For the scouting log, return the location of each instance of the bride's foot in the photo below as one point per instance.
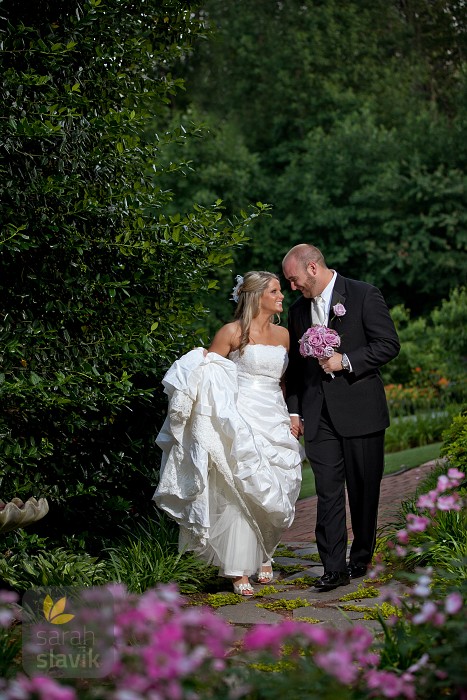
(242, 586)
(265, 574)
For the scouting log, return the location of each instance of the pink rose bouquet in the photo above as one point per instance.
(319, 342)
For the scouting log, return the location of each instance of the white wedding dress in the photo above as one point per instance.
(231, 468)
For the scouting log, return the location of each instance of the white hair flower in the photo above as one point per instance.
(236, 289)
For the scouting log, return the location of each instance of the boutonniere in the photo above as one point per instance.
(339, 310)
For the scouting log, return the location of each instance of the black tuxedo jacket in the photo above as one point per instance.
(356, 400)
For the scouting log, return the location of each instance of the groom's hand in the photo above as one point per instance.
(331, 364)
(296, 426)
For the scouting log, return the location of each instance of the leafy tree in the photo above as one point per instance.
(351, 119)
(100, 277)
(433, 349)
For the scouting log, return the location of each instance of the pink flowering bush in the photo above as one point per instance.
(431, 635)
(164, 649)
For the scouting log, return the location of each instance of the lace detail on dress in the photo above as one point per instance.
(261, 361)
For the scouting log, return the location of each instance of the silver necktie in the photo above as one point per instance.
(320, 312)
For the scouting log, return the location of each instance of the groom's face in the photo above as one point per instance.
(301, 278)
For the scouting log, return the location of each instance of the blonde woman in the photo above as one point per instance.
(231, 468)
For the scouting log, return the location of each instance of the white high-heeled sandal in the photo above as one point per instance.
(265, 577)
(244, 589)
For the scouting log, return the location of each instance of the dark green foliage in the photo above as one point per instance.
(433, 356)
(455, 442)
(350, 121)
(147, 555)
(99, 282)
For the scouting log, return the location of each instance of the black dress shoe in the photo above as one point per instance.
(331, 580)
(357, 570)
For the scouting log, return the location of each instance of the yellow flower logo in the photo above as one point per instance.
(53, 612)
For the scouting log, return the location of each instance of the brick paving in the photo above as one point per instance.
(394, 489)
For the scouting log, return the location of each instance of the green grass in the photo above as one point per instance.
(393, 462)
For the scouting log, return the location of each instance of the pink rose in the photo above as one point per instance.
(332, 338)
(318, 352)
(339, 310)
(317, 340)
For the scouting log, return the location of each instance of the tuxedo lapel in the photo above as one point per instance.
(338, 297)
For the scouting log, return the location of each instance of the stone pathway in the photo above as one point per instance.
(394, 489)
(298, 548)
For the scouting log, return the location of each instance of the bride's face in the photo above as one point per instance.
(271, 299)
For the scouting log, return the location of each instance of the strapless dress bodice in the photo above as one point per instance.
(261, 361)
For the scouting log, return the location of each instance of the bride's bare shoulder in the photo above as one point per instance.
(282, 336)
(226, 339)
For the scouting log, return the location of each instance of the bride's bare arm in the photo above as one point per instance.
(224, 340)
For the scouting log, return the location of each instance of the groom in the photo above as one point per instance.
(342, 417)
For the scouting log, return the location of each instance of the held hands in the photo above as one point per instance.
(296, 426)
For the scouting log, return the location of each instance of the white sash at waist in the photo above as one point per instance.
(248, 380)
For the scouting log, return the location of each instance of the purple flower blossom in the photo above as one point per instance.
(40, 687)
(427, 500)
(428, 613)
(339, 310)
(389, 685)
(453, 603)
(423, 587)
(417, 523)
(455, 475)
(423, 660)
(450, 502)
(319, 341)
(338, 663)
(403, 536)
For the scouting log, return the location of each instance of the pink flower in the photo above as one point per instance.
(423, 587)
(455, 475)
(338, 663)
(403, 536)
(443, 484)
(319, 352)
(318, 342)
(389, 685)
(339, 310)
(375, 571)
(448, 502)
(390, 595)
(264, 637)
(317, 635)
(427, 500)
(43, 688)
(417, 523)
(453, 603)
(331, 338)
(429, 613)
(423, 660)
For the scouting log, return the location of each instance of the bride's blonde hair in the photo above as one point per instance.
(250, 292)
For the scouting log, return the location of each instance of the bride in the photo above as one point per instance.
(231, 464)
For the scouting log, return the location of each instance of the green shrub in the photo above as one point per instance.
(148, 555)
(99, 280)
(417, 430)
(54, 567)
(432, 362)
(455, 442)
